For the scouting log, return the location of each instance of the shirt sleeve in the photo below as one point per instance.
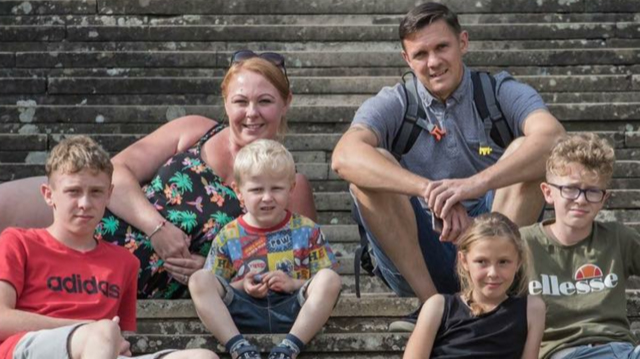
(631, 250)
(128, 306)
(219, 260)
(517, 101)
(383, 114)
(13, 257)
(320, 252)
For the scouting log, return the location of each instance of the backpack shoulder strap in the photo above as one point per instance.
(409, 131)
(484, 97)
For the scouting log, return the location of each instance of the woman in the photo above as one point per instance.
(186, 168)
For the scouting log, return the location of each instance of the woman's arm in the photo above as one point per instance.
(302, 199)
(536, 311)
(421, 341)
(137, 164)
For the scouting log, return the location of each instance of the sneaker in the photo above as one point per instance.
(282, 352)
(406, 324)
(246, 352)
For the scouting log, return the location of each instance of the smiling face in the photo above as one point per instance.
(574, 216)
(78, 201)
(492, 264)
(255, 108)
(266, 197)
(435, 55)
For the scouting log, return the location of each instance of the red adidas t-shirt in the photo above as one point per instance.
(54, 280)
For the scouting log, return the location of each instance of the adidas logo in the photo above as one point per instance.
(588, 278)
(74, 284)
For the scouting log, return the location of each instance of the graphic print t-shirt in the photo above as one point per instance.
(54, 280)
(583, 285)
(295, 246)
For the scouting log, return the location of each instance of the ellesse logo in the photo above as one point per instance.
(588, 279)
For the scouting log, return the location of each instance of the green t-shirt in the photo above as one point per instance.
(583, 285)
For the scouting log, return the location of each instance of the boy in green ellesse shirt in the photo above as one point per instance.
(581, 265)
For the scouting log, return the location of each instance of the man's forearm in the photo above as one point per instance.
(527, 163)
(365, 166)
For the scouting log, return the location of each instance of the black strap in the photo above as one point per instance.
(362, 258)
(484, 89)
(409, 132)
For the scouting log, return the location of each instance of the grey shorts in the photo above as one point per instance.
(54, 344)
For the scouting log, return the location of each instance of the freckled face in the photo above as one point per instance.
(254, 107)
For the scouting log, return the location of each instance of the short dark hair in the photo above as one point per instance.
(424, 15)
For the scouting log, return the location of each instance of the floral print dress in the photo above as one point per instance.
(191, 196)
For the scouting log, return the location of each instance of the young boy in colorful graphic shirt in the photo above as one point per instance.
(268, 255)
(581, 265)
(63, 294)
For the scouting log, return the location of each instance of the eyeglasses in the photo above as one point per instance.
(592, 195)
(272, 57)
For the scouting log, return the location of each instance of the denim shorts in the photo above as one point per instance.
(615, 350)
(54, 344)
(440, 257)
(275, 313)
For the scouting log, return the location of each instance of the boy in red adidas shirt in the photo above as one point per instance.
(64, 294)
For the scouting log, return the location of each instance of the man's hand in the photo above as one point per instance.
(182, 268)
(279, 281)
(455, 223)
(171, 242)
(256, 289)
(442, 195)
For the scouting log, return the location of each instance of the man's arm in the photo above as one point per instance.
(15, 321)
(357, 160)
(527, 163)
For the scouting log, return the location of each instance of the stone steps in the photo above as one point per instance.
(305, 19)
(313, 59)
(356, 326)
(69, 85)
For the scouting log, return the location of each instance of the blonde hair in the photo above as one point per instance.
(264, 156)
(587, 149)
(269, 71)
(486, 227)
(78, 153)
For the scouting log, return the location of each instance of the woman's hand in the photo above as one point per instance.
(171, 242)
(182, 268)
(255, 288)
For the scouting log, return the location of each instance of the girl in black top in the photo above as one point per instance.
(492, 317)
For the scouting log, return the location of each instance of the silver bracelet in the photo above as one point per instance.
(157, 229)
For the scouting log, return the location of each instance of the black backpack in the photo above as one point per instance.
(484, 98)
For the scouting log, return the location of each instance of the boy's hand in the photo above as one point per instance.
(279, 281)
(256, 289)
(124, 346)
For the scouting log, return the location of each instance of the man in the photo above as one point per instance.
(448, 176)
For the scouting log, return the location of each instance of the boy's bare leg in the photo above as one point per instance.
(191, 354)
(322, 294)
(207, 292)
(99, 340)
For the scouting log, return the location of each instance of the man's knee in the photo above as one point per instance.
(512, 148)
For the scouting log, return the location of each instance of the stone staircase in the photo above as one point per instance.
(118, 69)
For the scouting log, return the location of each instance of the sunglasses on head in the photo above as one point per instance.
(272, 57)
